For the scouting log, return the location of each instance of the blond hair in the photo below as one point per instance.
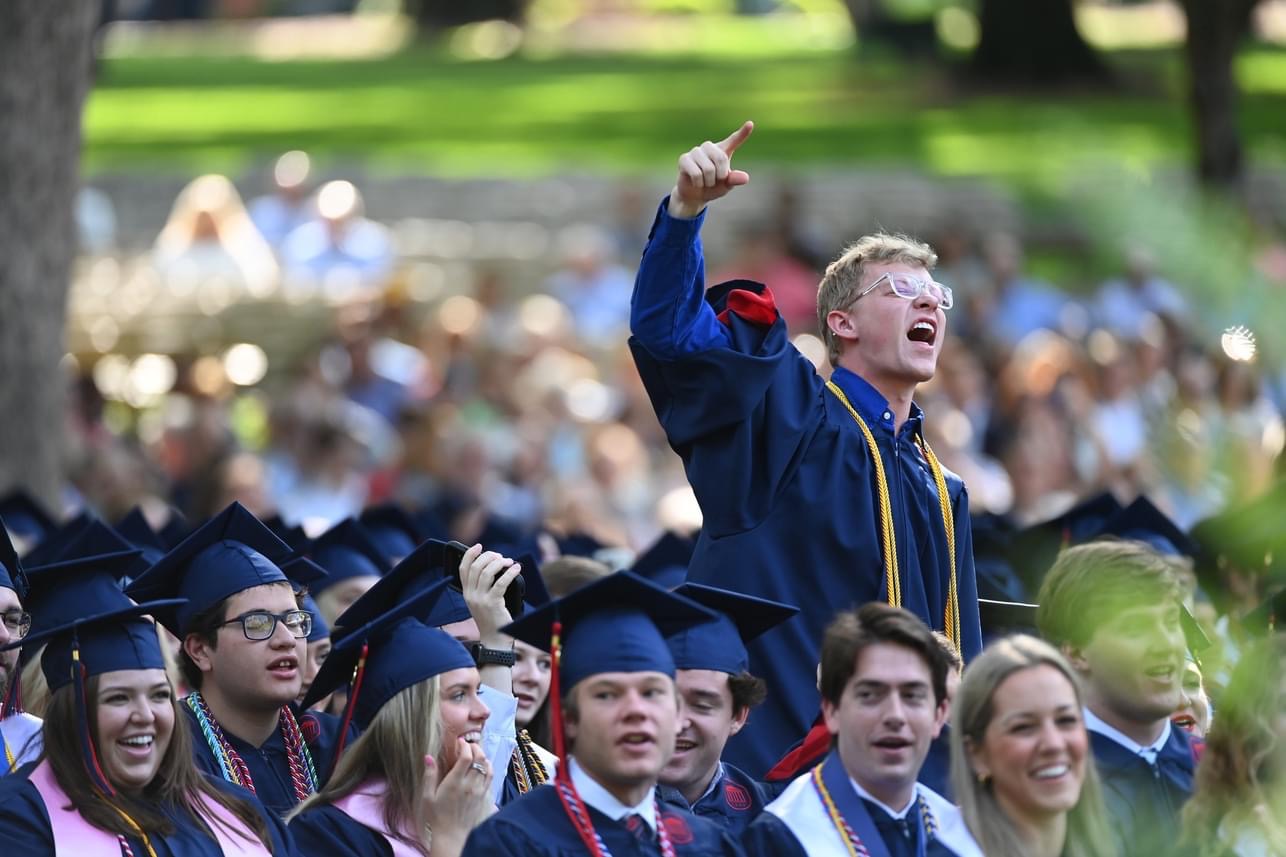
(406, 729)
(1087, 830)
(843, 278)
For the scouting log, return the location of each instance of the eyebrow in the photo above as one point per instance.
(882, 685)
(706, 694)
(1062, 709)
(114, 688)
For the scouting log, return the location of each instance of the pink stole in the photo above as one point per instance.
(74, 835)
(365, 805)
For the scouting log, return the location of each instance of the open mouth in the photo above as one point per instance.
(1162, 672)
(637, 740)
(138, 745)
(683, 745)
(1185, 721)
(286, 666)
(923, 331)
(892, 743)
(1051, 772)
(474, 737)
(525, 700)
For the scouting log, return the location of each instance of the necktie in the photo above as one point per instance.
(635, 824)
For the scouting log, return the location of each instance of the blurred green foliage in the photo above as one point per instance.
(425, 110)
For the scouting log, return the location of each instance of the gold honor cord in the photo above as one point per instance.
(892, 579)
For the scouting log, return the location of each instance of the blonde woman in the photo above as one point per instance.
(1020, 762)
(417, 780)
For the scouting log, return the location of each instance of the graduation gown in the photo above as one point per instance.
(536, 825)
(25, 827)
(797, 824)
(734, 800)
(269, 765)
(1143, 801)
(329, 830)
(785, 478)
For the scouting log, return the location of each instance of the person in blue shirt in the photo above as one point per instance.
(1115, 609)
(243, 648)
(883, 684)
(116, 774)
(718, 692)
(618, 711)
(814, 492)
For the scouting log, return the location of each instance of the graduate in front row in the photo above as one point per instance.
(713, 677)
(415, 782)
(116, 773)
(883, 685)
(620, 712)
(243, 645)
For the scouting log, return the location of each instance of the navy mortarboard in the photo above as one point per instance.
(720, 644)
(1033, 550)
(421, 569)
(230, 553)
(1144, 522)
(136, 530)
(616, 625)
(12, 575)
(347, 550)
(25, 519)
(393, 529)
(320, 630)
(52, 546)
(665, 562)
(61, 589)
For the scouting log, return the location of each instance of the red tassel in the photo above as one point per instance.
(353, 690)
(556, 699)
(90, 755)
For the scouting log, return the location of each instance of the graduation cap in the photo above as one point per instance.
(1032, 551)
(665, 563)
(393, 530)
(52, 547)
(60, 590)
(12, 575)
(616, 624)
(25, 518)
(135, 529)
(292, 534)
(96, 539)
(1143, 521)
(304, 574)
(346, 551)
(175, 529)
(231, 552)
(993, 537)
(385, 655)
(721, 644)
(107, 634)
(422, 569)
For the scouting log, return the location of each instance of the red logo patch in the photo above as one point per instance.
(736, 796)
(677, 829)
(309, 729)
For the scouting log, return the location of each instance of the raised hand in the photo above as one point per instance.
(706, 173)
(485, 576)
(459, 801)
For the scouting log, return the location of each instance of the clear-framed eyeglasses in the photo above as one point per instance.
(909, 287)
(261, 625)
(17, 623)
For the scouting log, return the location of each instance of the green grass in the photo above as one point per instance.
(424, 111)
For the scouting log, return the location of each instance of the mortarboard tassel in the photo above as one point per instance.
(555, 697)
(571, 801)
(354, 688)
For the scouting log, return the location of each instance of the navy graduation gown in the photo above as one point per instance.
(734, 802)
(785, 478)
(1143, 801)
(768, 836)
(25, 829)
(269, 765)
(535, 825)
(328, 830)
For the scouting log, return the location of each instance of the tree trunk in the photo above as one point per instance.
(45, 66)
(1034, 43)
(1216, 29)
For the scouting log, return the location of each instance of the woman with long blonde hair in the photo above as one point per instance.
(1020, 763)
(417, 780)
(1239, 806)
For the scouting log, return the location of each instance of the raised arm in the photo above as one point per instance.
(668, 313)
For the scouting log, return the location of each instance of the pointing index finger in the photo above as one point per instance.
(730, 143)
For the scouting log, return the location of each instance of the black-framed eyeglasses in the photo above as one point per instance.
(261, 625)
(17, 623)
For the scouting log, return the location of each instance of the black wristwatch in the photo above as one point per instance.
(482, 656)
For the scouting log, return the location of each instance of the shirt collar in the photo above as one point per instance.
(869, 403)
(714, 783)
(605, 802)
(1149, 754)
(896, 815)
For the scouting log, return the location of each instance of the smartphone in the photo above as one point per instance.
(454, 555)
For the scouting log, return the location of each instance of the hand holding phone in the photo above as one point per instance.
(492, 585)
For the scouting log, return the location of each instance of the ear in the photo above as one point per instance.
(830, 716)
(200, 650)
(842, 325)
(941, 716)
(739, 718)
(1076, 657)
(977, 760)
